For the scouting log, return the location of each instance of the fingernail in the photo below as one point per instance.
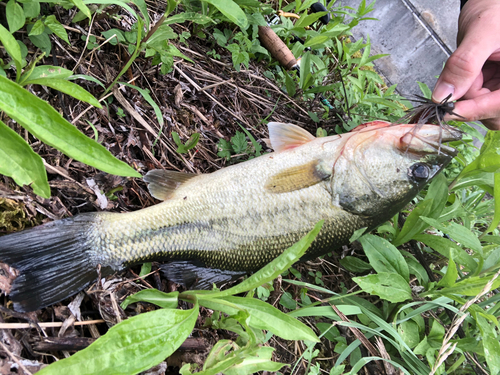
(441, 91)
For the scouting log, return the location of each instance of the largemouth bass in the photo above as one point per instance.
(235, 220)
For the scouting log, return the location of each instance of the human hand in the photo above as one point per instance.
(472, 73)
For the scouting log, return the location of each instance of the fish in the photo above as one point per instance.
(214, 227)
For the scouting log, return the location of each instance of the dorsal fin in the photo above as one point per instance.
(287, 136)
(162, 184)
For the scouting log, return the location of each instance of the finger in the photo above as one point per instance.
(476, 88)
(482, 108)
(462, 68)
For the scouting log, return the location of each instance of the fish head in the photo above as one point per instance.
(381, 168)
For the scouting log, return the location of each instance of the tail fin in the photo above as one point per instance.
(52, 262)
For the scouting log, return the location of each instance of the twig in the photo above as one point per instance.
(47, 324)
(13, 357)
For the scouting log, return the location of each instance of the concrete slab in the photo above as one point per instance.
(418, 35)
(442, 17)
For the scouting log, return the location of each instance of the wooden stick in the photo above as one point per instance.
(47, 324)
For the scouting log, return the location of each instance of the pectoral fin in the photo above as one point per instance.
(299, 177)
(162, 184)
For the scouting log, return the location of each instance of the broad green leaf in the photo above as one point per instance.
(300, 6)
(141, 4)
(163, 33)
(409, 333)
(68, 88)
(357, 233)
(458, 233)
(451, 275)
(431, 206)
(436, 335)
(474, 178)
(41, 41)
(131, 346)
(413, 225)
(19, 161)
(83, 8)
(471, 286)
(389, 286)
(263, 316)
(383, 256)
(117, 36)
(55, 26)
(355, 264)
(145, 269)
(189, 16)
(418, 270)
(289, 84)
(489, 157)
(113, 2)
(496, 217)
(45, 71)
(262, 361)
(491, 344)
(275, 268)
(45, 123)
(12, 48)
(31, 9)
(318, 40)
(165, 300)
(15, 16)
(232, 11)
(38, 28)
(305, 71)
(308, 19)
(426, 91)
(448, 249)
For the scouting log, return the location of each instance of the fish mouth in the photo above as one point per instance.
(429, 139)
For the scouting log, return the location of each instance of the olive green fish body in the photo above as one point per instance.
(240, 217)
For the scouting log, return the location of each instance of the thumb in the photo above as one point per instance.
(461, 69)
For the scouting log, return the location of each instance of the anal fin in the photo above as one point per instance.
(194, 275)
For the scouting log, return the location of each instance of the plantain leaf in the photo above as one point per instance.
(471, 286)
(45, 71)
(448, 249)
(44, 122)
(66, 87)
(389, 286)
(383, 256)
(19, 161)
(131, 346)
(458, 233)
(262, 316)
(165, 300)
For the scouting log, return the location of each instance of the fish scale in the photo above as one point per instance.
(213, 227)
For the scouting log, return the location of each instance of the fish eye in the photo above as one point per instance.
(419, 171)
